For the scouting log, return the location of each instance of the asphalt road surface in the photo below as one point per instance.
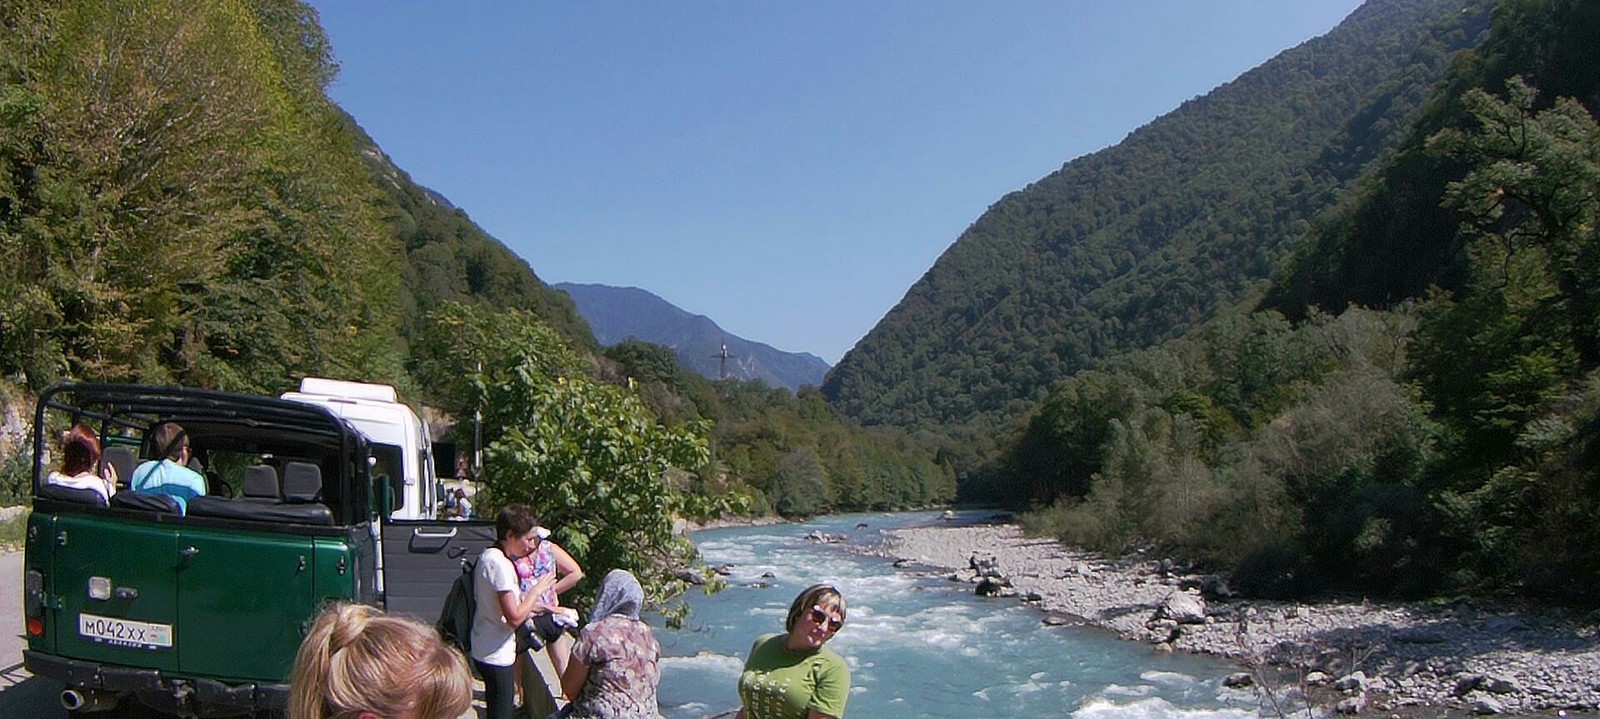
(23, 695)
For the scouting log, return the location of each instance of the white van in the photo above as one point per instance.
(402, 451)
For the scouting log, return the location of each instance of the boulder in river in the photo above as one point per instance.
(988, 587)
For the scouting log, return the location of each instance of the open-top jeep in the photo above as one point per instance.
(327, 494)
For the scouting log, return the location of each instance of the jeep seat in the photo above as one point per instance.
(147, 502)
(120, 458)
(260, 485)
(76, 495)
(302, 483)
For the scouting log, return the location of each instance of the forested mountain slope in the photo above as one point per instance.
(620, 313)
(1135, 244)
(1393, 238)
(1442, 442)
(449, 258)
(181, 203)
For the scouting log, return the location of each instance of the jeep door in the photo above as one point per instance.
(422, 557)
(245, 598)
(118, 591)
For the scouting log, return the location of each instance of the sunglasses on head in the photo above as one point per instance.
(818, 616)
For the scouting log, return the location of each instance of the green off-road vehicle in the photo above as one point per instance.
(323, 494)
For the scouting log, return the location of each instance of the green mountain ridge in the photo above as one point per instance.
(1411, 408)
(1135, 244)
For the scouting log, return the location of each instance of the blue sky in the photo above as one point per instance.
(787, 169)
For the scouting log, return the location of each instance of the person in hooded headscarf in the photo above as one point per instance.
(614, 667)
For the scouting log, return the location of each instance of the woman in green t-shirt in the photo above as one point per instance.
(792, 675)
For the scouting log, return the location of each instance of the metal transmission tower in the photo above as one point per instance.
(722, 371)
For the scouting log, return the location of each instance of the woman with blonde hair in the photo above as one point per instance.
(359, 663)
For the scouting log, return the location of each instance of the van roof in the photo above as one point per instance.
(350, 390)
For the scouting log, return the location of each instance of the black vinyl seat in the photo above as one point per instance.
(302, 497)
(76, 495)
(260, 485)
(302, 483)
(207, 506)
(121, 458)
(147, 502)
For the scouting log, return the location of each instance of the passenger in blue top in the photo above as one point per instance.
(169, 475)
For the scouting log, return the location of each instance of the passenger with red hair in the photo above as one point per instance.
(80, 462)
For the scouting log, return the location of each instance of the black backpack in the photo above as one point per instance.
(455, 619)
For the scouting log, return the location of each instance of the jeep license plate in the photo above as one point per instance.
(124, 632)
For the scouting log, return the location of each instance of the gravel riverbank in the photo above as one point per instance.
(1461, 655)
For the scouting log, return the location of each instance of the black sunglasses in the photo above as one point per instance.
(820, 617)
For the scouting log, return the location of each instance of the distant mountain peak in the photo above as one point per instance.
(618, 313)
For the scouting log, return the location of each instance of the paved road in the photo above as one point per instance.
(24, 695)
(21, 694)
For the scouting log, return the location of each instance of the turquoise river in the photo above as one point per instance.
(921, 646)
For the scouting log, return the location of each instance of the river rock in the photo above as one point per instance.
(1352, 705)
(1467, 682)
(1354, 681)
(1238, 680)
(1500, 685)
(1419, 636)
(987, 587)
(1487, 705)
(1182, 608)
(1506, 625)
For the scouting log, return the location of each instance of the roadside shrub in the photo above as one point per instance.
(16, 477)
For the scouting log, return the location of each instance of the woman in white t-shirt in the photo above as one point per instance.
(501, 608)
(80, 455)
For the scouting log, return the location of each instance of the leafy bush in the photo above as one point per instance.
(1385, 540)
(16, 478)
(589, 458)
(1079, 523)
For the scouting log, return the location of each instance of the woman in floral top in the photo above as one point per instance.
(614, 668)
